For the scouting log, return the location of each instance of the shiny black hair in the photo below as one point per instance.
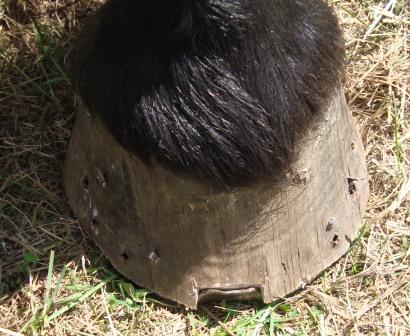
(221, 90)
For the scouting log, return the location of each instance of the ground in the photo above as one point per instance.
(54, 281)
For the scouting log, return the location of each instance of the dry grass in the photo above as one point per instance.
(54, 282)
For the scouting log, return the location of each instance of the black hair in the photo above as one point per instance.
(221, 90)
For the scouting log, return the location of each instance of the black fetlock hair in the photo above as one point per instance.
(221, 90)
